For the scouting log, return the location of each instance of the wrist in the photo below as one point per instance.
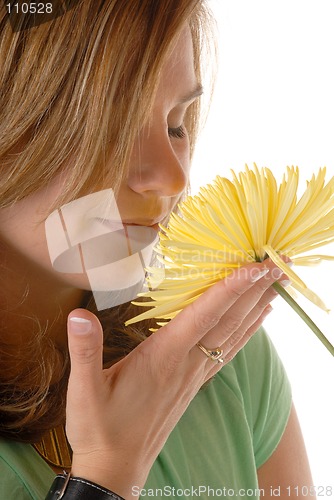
(68, 487)
(119, 477)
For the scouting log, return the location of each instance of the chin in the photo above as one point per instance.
(79, 281)
(109, 289)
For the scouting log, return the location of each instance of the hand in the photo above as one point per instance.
(118, 419)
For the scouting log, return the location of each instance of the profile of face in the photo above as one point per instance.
(99, 242)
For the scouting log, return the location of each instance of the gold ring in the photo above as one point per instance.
(215, 354)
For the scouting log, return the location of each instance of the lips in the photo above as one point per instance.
(144, 222)
(119, 225)
(152, 226)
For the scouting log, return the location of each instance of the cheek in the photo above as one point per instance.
(19, 232)
(22, 224)
(22, 230)
(25, 250)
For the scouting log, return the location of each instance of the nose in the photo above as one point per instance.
(159, 164)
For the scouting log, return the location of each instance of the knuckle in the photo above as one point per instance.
(260, 289)
(237, 337)
(262, 286)
(261, 292)
(232, 324)
(85, 355)
(247, 336)
(233, 293)
(155, 364)
(238, 345)
(206, 321)
(168, 366)
(265, 300)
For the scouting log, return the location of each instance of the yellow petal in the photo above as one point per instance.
(311, 260)
(285, 268)
(313, 297)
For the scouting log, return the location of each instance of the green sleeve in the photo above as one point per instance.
(23, 473)
(10, 484)
(267, 395)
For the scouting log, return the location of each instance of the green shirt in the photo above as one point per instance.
(229, 430)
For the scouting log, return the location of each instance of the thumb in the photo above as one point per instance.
(85, 342)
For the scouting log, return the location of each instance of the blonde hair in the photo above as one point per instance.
(76, 91)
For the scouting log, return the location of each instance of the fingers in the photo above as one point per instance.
(200, 317)
(244, 318)
(85, 341)
(233, 351)
(247, 309)
(230, 353)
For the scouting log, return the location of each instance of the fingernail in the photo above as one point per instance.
(285, 282)
(80, 325)
(267, 310)
(277, 273)
(258, 275)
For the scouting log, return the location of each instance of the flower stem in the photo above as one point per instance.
(287, 297)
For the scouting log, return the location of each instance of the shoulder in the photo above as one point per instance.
(11, 485)
(24, 475)
(264, 390)
(258, 365)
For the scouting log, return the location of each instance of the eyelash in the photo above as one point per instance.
(177, 133)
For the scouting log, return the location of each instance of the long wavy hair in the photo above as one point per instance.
(75, 89)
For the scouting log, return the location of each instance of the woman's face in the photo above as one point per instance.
(158, 174)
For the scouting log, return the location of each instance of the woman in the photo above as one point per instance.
(106, 97)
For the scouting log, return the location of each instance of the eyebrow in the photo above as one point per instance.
(197, 92)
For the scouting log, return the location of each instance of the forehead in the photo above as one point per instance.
(178, 76)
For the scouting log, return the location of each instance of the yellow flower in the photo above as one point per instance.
(231, 223)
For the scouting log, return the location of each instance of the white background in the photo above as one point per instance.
(274, 105)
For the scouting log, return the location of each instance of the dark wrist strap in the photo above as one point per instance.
(68, 487)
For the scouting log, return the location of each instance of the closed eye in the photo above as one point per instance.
(177, 133)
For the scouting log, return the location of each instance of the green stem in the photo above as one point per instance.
(287, 297)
